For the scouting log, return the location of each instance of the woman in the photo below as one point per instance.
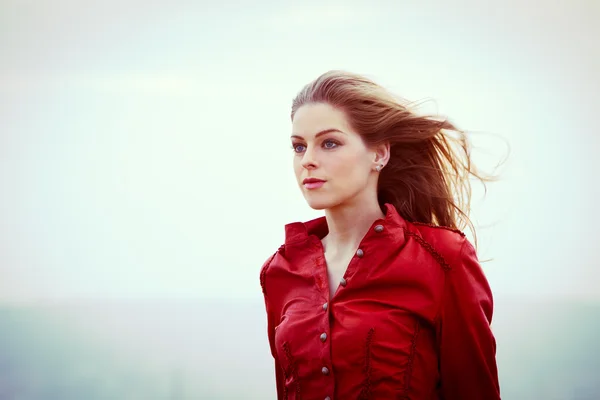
(383, 297)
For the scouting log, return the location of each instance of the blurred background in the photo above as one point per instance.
(145, 176)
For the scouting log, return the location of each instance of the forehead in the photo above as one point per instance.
(312, 118)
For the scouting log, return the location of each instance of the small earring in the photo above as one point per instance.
(379, 167)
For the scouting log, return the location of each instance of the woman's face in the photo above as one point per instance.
(333, 166)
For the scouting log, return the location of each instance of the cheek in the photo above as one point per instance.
(352, 168)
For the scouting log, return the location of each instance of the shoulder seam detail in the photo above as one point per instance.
(455, 230)
(263, 272)
(429, 248)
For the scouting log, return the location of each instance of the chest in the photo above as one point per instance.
(355, 345)
(364, 337)
(336, 265)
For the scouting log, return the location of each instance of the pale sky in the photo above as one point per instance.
(144, 146)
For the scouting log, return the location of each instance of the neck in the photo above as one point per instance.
(348, 224)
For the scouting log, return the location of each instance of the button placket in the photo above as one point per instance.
(323, 338)
(359, 253)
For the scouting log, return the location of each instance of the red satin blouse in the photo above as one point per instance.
(410, 319)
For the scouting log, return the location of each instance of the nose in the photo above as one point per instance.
(308, 160)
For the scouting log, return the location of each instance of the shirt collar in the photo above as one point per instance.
(392, 223)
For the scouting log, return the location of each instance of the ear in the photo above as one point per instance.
(381, 156)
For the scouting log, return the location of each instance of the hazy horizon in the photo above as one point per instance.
(194, 349)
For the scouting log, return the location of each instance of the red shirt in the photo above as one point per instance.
(410, 319)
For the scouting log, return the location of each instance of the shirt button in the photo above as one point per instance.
(343, 282)
(323, 337)
(325, 371)
(325, 306)
(360, 253)
(379, 228)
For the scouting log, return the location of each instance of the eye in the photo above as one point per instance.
(330, 144)
(298, 148)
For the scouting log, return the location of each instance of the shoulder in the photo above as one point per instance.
(464, 276)
(267, 265)
(445, 244)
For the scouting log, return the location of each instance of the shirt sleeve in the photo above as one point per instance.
(467, 346)
(271, 323)
(279, 378)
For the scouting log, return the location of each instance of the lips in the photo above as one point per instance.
(313, 183)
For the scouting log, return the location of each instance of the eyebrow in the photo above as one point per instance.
(320, 133)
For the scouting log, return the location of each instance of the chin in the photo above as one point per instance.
(317, 206)
(321, 203)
